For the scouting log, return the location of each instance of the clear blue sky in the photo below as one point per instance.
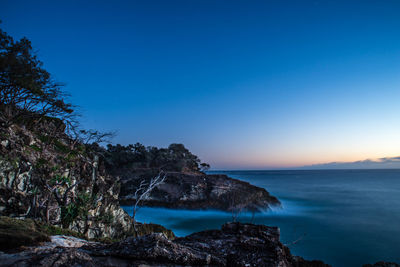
(243, 84)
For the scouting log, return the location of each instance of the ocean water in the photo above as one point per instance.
(343, 217)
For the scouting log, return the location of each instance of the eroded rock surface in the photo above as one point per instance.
(234, 245)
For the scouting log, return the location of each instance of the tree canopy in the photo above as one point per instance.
(174, 158)
(26, 88)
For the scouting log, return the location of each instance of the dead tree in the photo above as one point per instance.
(236, 210)
(142, 193)
(239, 204)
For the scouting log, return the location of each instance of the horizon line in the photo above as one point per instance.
(303, 169)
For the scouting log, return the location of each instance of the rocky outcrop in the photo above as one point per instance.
(234, 245)
(17, 233)
(36, 167)
(197, 191)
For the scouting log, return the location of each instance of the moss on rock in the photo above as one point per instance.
(15, 233)
(150, 228)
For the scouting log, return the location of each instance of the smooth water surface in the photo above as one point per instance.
(343, 217)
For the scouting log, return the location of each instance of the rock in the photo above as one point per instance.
(153, 249)
(49, 257)
(5, 143)
(234, 245)
(28, 164)
(197, 191)
(239, 244)
(382, 264)
(67, 241)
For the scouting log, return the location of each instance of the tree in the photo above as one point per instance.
(90, 136)
(239, 204)
(61, 186)
(174, 158)
(143, 192)
(236, 207)
(204, 167)
(181, 159)
(26, 88)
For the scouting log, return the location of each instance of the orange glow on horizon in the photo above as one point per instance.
(291, 162)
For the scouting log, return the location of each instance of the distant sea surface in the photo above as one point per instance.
(343, 217)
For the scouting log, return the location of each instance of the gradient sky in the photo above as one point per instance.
(243, 84)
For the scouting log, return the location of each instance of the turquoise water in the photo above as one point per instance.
(343, 217)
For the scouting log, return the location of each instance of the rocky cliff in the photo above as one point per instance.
(197, 191)
(45, 175)
(234, 245)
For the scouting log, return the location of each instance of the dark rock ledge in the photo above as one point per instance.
(235, 244)
(197, 191)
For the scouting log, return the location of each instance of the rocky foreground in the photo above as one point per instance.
(197, 191)
(234, 245)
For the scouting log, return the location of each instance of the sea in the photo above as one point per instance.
(342, 217)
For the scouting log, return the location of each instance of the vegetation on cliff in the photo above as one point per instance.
(176, 157)
(51, 170)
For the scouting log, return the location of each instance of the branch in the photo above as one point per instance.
(144, 190)
(296, 241)
(68, 190)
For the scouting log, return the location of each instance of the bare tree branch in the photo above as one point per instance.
(143, 192)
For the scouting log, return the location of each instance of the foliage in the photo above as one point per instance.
(107, 218)
(40, 163)
(60, 179)
(36, 148)
(174, 158)
(78, 208)
(204, 166)
(68, 214)
(60, 146)
(26, 89)
(149, 228)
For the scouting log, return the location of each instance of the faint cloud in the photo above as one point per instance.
(380, 163)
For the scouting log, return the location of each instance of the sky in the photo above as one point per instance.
(242, 84)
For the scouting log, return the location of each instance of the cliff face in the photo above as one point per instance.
(49, 177)
(197, 191)
(234, 245)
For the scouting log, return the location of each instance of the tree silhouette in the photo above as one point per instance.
(26, 88)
